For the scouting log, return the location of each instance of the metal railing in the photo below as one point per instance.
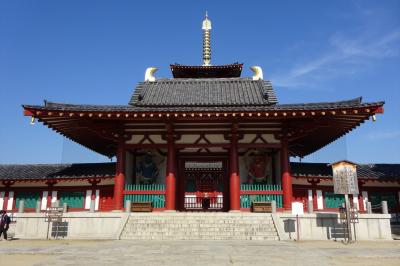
(203, 203)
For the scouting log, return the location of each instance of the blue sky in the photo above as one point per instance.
(96, 51)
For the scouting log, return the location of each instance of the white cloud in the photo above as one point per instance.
(383, 135)
(344, 56)
(373, 47)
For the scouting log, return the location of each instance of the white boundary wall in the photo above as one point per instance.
(109, 225)
(327, 226)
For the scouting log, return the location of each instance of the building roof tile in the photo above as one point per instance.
(103, 170)
(353, 103)
(56, 171)
(211, 92)
(364, 171)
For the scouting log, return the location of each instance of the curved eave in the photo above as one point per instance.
(320, 132)
(311, 126)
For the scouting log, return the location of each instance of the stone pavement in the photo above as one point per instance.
(118, 253)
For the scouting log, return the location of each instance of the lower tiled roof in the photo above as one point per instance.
(56, 171)
(364, 171)
(103, 170)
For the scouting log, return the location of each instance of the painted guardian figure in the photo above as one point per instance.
(147, 170)
(257, 164)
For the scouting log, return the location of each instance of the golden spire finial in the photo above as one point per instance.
(206, 41)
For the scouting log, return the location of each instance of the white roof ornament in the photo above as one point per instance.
(149, 74)
(258, 73)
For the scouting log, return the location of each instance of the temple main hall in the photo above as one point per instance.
(206, 139)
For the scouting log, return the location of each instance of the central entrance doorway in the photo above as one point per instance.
(204, 185)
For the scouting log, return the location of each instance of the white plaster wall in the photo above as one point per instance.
(216, 138)
(187, 139)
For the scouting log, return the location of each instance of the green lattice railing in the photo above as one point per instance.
(154, 187)
(261, 187)
(247, 199)
(144, 193)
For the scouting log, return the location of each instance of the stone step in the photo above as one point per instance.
(196, 226)
(202, 238)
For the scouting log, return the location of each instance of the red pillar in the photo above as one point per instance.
(49, 198)
(119, 180)
(286, 178)
(5, 199)
(234, 181)
(7, 188)
(50, 185)
(170, 179)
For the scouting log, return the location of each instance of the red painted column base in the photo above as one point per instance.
(287, 191)
(170, 192)
(234, 192)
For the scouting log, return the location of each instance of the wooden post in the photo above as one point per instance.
(348, 216)
(170, 181)
(234, 181)
(360, 197)
(286, 178)
(119, 180)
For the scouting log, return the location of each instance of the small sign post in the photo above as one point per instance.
(345, 182)
(53, 214)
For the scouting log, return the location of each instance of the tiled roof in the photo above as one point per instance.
(204, 92)
(99, 170)
(366, 171)
(354, 103)
(56, 171)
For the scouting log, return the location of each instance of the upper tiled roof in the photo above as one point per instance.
(56, 171)
(366, 171)
(209, 92)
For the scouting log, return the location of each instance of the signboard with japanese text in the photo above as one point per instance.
(345, 178)
(54, 214)
(353, 215)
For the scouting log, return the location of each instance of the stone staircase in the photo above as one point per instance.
(199, 226)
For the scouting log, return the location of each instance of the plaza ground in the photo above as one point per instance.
(61, 252)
